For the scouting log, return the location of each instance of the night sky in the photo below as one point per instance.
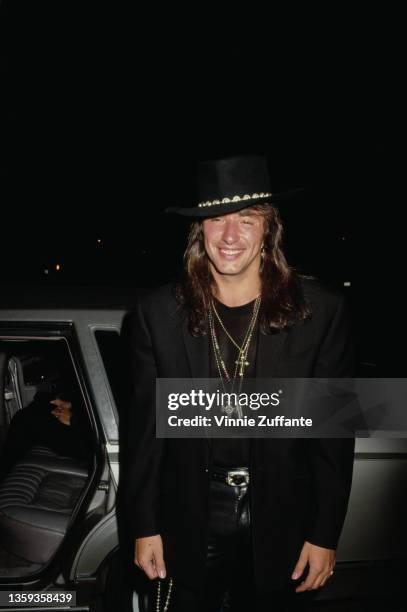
(105, 112)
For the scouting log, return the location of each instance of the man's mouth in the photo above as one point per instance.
(230, 253)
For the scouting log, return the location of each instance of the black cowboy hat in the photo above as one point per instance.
(226, 185)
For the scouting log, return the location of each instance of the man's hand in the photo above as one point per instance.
(148, 556)
(62, 410)
(321, 564)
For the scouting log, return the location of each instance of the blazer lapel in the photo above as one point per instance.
(269, 348)
(197, 350)
(198, 353)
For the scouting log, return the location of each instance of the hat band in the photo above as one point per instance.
(233, 200)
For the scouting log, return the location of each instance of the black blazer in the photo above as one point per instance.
(299, 487)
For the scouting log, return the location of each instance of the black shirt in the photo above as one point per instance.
(233, 452)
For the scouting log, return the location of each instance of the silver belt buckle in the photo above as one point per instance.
(237, 478)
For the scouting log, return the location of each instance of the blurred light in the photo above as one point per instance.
(347, 284)
(57, 267)
(46, 271)
(99, 241)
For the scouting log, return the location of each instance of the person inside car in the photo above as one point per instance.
(53, 420)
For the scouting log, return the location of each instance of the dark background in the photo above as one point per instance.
(105, 111)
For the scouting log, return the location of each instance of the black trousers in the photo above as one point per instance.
(229, 581)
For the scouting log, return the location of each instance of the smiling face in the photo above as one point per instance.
(233, 242)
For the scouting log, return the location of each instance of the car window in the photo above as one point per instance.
(37, 368)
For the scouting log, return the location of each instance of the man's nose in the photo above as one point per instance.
(230, 232)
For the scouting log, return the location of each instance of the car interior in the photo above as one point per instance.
(40, 483)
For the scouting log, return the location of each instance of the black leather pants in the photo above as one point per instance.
(229, 583)
(228, 558)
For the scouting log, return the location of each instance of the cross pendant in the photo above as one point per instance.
(241, 361)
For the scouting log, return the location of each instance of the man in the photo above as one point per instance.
(258, 518)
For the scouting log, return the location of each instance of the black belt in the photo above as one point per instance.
(235, 477)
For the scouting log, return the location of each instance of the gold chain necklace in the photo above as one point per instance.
(239, 348)
(241, 362)
(244, 349)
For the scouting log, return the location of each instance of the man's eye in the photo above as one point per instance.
(247, 221)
